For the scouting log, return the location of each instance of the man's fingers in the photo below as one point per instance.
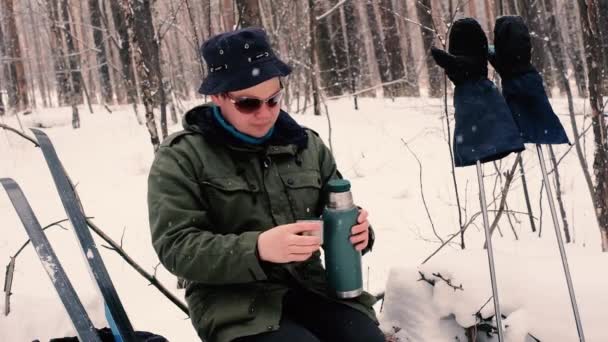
(363, 214)
(302, 249)
(360, 228)
(304, 240)
(358, 238)
(361, 246)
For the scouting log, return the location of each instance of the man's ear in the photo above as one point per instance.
(217, 99)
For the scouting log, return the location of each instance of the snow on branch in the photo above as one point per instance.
(438, 276)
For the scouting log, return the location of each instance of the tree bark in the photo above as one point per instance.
(125, 50)
(533, 14)
(73, 55)
(17, 86)
(593, 57)
(227, 14)
(248, 13)
(370, 54)
(314, 65)
(100, 48)
(423, 7)
(62, 79)
(42, 85)
(326, 39)
(147, 60)
(602, 15)
(575, 47)
(411, 74)
(350, 31)
(392, 47)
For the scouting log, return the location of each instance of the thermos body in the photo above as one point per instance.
(342, 260)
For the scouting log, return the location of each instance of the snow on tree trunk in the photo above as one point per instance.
(147, 60)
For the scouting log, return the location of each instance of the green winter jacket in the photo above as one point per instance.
(210, 196)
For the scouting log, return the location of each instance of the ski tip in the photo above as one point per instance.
(8, 183)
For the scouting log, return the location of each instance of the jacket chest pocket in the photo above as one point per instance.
(304, 193)
(232, 203)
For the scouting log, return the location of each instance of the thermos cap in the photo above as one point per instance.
(338, 185)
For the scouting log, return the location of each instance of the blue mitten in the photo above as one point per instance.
(485, 129)
(522, 85)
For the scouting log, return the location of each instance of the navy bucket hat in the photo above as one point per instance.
(238, 60)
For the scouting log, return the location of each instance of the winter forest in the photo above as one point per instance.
(108, 80)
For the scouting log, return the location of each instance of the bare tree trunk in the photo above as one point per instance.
(248, 13)
(86, 58)
(488, 7)
(533, 14)
(100, 47)
(313, 58)
(348, 21)
(125, 50)
(227, 14)
(62, 79)
(510, 7)
(392, 47)
(602, 15)
(73, 55)
(423, 7)
(4, 71)
(411, 74)
(42, 86)
(147, 60)
(575, 47)
(326, 40)
(588, 10)
(17, 86)
(370, 54)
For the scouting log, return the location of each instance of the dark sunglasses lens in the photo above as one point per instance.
(248, 105)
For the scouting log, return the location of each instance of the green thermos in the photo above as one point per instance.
(342, 260)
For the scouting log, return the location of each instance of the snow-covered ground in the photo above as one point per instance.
(109, 157)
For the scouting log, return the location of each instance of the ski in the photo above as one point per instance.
(115, 312)
(83, 325)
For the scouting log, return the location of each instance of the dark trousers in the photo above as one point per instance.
(310, 318)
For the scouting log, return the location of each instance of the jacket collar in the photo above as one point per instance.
(288, 136)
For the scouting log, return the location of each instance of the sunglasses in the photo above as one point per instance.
(249, 105)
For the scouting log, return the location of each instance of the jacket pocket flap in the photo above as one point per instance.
(231, 184)
(311, 179)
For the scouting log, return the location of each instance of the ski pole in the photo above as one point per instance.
(560, 243)
(486, 226)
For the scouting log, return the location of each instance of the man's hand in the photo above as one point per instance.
(360, 232)
(283, 244)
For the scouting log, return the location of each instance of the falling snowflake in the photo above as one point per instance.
(255, 72)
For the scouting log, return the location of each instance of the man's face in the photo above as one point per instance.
(257, 122)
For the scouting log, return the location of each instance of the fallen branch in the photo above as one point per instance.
(152, 279)
(9, 128)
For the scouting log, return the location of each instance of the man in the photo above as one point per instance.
(224, 197)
